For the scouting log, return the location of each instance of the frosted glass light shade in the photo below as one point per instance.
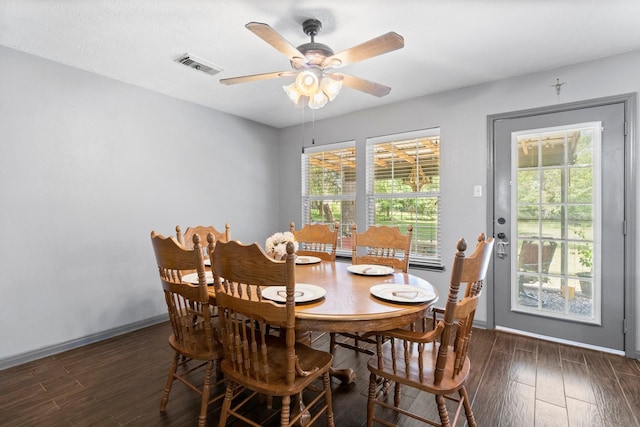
(292, 92)
(313, 84)
(318, 100)
(330, 87)
(307, 82)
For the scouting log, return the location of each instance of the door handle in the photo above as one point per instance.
(501, 245)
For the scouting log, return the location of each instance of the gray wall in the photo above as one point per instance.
(88, 167)
(462, 117)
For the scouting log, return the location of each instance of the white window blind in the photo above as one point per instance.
(403, 188)
(329, 188)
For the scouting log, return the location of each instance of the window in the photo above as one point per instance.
(329, 188)
(403, 188)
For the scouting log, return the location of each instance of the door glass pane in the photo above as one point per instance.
(555, 264)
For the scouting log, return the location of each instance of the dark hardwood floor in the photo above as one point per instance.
(515, 381)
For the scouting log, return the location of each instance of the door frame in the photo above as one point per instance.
(630, 208)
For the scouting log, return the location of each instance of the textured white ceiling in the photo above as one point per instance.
(448, 43)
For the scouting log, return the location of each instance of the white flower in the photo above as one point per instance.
(277, 243)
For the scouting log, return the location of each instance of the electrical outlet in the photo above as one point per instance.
(477, 191)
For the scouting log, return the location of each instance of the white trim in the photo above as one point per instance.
(423, 133)
(596, 204)
(328, 147)
(561, 341)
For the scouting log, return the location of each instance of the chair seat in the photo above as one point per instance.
(449, 384)
(199, 350)
(276, 385)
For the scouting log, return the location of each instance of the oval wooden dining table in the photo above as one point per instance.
(349, 306)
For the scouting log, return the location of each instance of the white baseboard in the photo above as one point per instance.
(561, 341)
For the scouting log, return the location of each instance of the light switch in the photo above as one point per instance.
(477, 191)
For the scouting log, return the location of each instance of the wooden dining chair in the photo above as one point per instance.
(434, 361)
(202, 231)
(194, 337)
(255, 360)
(470, 290)
(317, 240)
(383, 245)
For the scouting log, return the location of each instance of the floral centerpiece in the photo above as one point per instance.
(276, 245)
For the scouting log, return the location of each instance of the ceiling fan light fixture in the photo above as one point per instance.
(307, 82)
(318, 100)
(292, 92)
(330, 87)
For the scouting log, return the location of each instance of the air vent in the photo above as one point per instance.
(199, 64)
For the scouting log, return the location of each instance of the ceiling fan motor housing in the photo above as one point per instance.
(314, 52)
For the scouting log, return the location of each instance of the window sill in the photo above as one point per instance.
(425, 266)
(412, 265)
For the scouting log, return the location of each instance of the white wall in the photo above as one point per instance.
(88, 167)
(462, 117)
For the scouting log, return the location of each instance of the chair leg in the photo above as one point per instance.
(285, 411)
(371, 399)
(226, 404)
(396, 394)
(471, 420)
(442, 411)
(206, 391)
(326, 382)
(167, 388)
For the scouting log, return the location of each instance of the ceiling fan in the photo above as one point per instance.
(313, 64)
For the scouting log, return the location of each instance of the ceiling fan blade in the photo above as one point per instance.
(256, 77)
(374, 47)
(271, 36)
(364, 85)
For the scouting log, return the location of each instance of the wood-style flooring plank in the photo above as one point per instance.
(518, 407)
(526, 343)
(583, 414)
(577, 384)
(598, 363)
(18, 393)
(548, 353)
(550, 384)
(479, 348)
(630, 385)
(572, 354)
(550, 415)
(523, 367)
(611, 401)
(505, 343)
(623, 365)
(487, 405)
